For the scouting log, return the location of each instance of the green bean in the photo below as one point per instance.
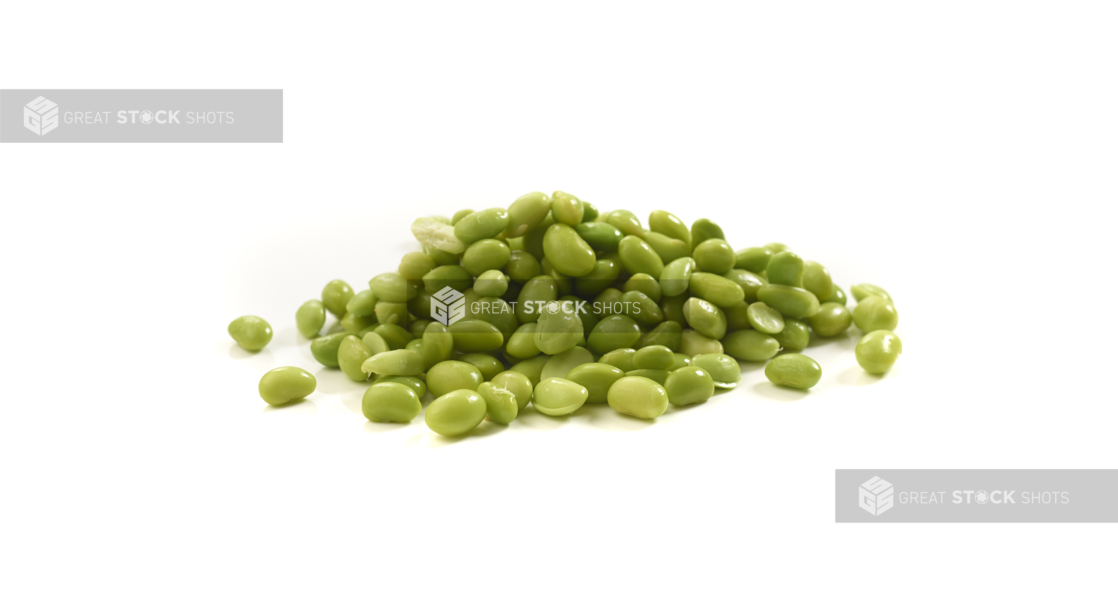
(831, 320)
(838, 296)
(567, 251)
(395, 313)
(679, 360)
(753, 259)
(414, 383)
(397, 337)
(776, 247)
(606, 270)
(335, 295)
(500, 403)
(455, 277)
(310, 318)
(669, 249)
(621, 359)
(664, 222)
(374, 342)
(532, 368)
(522, 344)
(447, 376)
(705, 318)
(646, 284)
(558, 397)
(794, 370)
(705, 229)
(676, 277)
(596, 378)
(653, 357)
(286, 384)
(865, 290)
(455, 413)
(414, 265)
(458, 216)
(715, 256)
(488, 365)
(818, 280)
(352, 353)
(637, 256)
(491, 283)
(613, 332)
(526, 213)
(873, 313)
(481, 225)
(252, 333)
(589, 211)
(517, 383)
(565, 208)
(718, 290)
(558, 366)
(485, 255)
(638, 396)
(400, 362)
(558, 328)
(441, 257)
(324, 349)
(751, 345)
(362, 304)
(693, 343)
(600, 236)
(666, 334)
(533, 240)
(625, 221)
(765, 319)
(540, 289)
(476, 336)
(795, 336)
(877, 351)
(723, 369)
(436, 234)
(563, 284)
(390, 402)
(522, 266)
(785, 268)
(789, 301)
(642, 308)
(689, 385)
(391, 287)
(748, 281)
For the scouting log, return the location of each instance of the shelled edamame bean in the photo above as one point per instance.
(552, 304)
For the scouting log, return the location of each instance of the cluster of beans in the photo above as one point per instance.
(552, 303)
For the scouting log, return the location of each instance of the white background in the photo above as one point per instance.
(961, 154)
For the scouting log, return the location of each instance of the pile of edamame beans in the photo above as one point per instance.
(552, 303)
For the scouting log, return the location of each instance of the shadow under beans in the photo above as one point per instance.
(779, 393)
(374, 427)
(601, 415)
(534, 419)
(352, 400)
(855, 376)
(486, 428)
(302, 406)
(263, 356)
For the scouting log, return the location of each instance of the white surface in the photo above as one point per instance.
(960, 154)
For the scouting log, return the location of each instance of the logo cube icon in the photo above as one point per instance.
(40, 116)
(448, 306)
(875, 496)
